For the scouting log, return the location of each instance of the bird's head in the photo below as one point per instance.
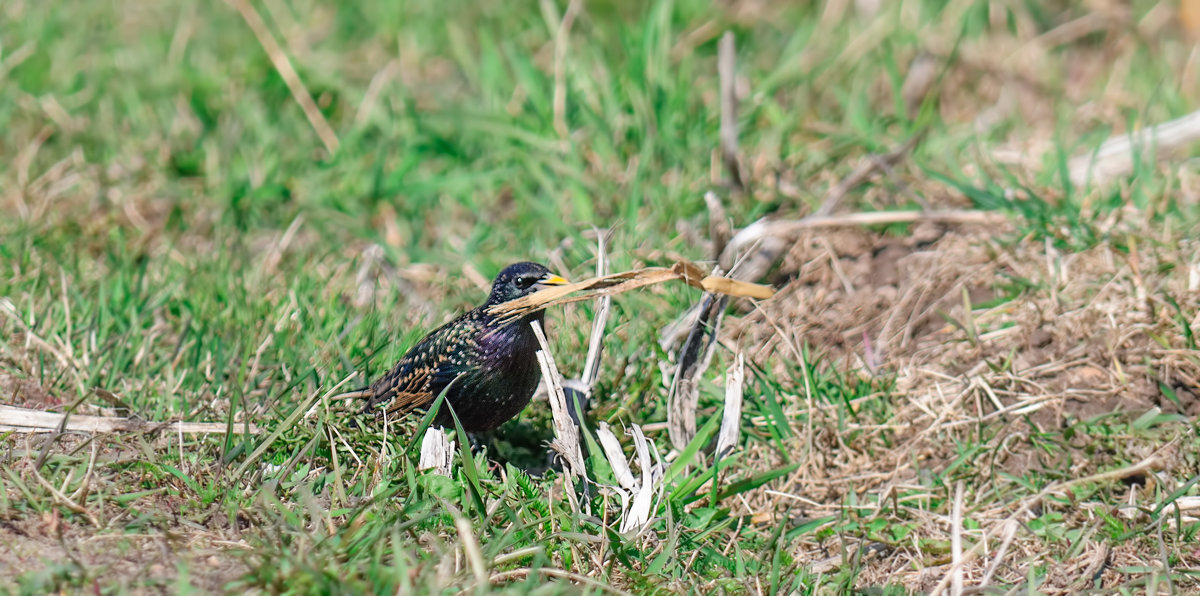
(520, 279)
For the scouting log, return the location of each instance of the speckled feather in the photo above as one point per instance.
(490, 367)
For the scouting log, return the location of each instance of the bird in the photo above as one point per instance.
(487, 365)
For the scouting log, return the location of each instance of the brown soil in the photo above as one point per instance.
(148, 544)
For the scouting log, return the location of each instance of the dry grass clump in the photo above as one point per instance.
(991, 344)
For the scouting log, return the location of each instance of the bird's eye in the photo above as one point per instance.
(525, 281)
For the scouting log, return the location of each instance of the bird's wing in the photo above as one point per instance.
(412, 384)
(404, 387)
(427, 369)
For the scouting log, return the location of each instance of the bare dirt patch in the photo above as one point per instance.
(109, 526)
(151, 559)
(25, 393)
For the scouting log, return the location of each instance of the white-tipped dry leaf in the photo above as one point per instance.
(591, 368)
(731, 419)
(566, 441)
(615, 456)
(437, 452)
(639, 511)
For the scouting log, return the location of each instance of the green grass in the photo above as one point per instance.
(175, 233)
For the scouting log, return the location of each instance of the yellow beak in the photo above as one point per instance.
(553, 280)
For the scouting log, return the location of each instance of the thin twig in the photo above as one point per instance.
(374, 88)
(727, 71)
(16, 57)
(865, 170)
(719, 230)
(64, 500)
(591, 368)
(956, 521)
(1162, 555)
(575, 577)
(789, 228)
(26, 420)
(1115, 158)
(1010, 532)
(923, 73)
(85, 485)
(284, 66)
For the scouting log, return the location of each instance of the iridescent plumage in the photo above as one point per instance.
(490, 367)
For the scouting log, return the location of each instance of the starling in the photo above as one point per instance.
(490, 366)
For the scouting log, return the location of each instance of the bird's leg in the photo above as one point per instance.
(476, 442)
(479, 442)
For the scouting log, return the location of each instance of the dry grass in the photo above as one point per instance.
(1082, 336)
(193, 256)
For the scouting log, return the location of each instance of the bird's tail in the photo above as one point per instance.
(363, 393)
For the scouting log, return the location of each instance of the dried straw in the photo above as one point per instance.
(618, 283)
(26, 420)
